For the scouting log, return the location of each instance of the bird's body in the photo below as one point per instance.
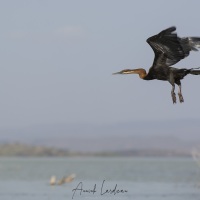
(164, 74)
(169, 49)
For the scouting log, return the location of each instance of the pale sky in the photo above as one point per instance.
(57, 59)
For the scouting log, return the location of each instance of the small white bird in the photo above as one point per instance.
(52, 180)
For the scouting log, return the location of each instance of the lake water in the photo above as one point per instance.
(135, 178)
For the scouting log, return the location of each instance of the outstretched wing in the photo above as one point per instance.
(168, 47)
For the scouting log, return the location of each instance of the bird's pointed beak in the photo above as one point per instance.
(117, 73)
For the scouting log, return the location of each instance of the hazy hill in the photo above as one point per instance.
(179, 135)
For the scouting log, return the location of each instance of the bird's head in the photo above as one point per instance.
(141, 72)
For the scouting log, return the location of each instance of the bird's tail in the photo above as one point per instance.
(194, 71)
(194, 43)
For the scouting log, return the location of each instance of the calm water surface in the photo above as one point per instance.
(135, 178)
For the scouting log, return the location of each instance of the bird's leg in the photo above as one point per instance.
(180, 94)
(173, 93)
(172, 81)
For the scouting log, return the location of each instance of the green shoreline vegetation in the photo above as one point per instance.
(18, 149)
(27, 150)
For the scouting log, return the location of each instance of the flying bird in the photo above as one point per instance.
(169, 49)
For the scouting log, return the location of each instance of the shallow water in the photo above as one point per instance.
(133, 178)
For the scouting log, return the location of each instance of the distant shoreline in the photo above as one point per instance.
(26, 150)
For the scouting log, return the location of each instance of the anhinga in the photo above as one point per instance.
(169, 49)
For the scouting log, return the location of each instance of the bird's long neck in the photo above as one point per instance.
(141, 72)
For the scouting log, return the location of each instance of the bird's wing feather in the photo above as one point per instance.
(168, 47)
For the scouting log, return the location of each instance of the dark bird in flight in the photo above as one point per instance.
(168, 49)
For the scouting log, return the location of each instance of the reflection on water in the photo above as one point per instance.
(143, 178)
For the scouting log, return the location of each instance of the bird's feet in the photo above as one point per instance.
(173, 97)
(180, 98)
